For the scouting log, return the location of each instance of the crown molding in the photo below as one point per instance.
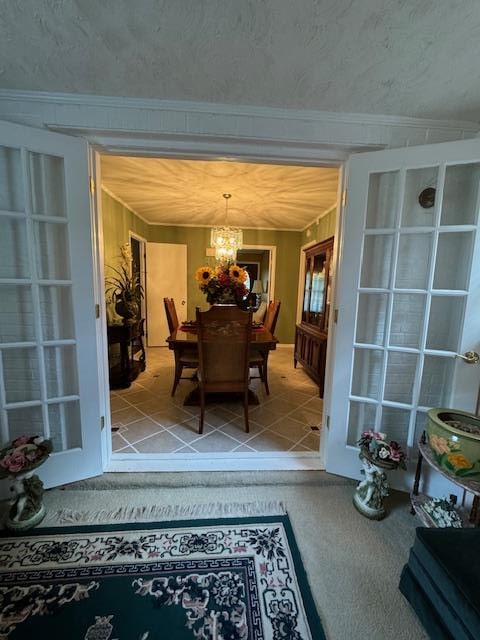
(123, 203)
(182, 106)
(319, 217)
(210, 226)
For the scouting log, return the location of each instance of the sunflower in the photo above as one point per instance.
(237, 274)
(203, 275)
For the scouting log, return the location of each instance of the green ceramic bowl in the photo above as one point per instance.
(454, 439)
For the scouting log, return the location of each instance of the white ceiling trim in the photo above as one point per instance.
(322, 215)
(232, 110)
(210, 226)
(124, 204)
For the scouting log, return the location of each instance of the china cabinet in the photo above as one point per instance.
(312, 333)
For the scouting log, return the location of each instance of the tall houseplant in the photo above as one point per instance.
(124, 291)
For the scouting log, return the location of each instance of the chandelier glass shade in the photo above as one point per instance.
(226, 240)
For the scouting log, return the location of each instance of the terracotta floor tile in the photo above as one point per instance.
(163, 442)
(279, 423)
(140, 429)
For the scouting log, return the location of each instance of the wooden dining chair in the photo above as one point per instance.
(185, 357)
(259, 360)
(224, 337)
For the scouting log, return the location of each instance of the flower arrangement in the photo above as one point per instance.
(23, 454)
(222, 284)
(375, 445)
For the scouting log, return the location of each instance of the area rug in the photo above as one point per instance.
(218, 579)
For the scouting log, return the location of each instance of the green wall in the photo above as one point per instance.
(321, 230)
(118, 220)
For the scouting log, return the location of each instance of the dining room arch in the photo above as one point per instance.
(297, 412)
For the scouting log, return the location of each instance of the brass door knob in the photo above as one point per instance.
(469, 357)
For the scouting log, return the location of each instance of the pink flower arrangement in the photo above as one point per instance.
(375, 444)
(24, 453)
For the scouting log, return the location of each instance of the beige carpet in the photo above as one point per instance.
(353, 564)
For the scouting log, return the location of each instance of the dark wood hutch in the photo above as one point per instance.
(312, 333)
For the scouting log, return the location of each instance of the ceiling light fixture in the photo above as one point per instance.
(226, 240)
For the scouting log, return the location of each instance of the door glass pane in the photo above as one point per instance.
(61, 371)
(413, 261)
(14, 262)
(306, 296)
(382, 200)
(394, 422)
(460, 194)
(401, 368)
(377, 259)
(47, 185)
(437, 379)
(361, 418)
(367, 371)
(56, 312)
(27, 421)
(11, 180)
(445, 322)
(408, 315)
(415, 214)
(372, 313)
(21, 374)
(65, 425)
(51, 251)
(452, 267)
(17, 323)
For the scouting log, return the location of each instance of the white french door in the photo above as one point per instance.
(166, 278)
(48, 356)
(408, 295)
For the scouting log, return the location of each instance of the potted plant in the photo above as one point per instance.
(124, 291)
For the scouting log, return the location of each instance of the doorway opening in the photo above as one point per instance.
(170, 207)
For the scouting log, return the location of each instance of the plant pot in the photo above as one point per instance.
(127, 309)
(454, 439)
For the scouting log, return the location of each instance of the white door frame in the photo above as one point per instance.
(212, 462)
(143, 266)
(272, 264)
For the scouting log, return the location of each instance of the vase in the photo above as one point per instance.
(454, 440)
(370, 492)
(128, 309)
(27, 509)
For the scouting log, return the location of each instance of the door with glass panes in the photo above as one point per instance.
(408, 295)
(48, 356)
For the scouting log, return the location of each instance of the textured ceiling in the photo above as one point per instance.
(401, 57)
(189, 192)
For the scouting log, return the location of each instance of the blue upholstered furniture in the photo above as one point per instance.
(442, 582)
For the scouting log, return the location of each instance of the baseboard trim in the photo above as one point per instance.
(285, 345)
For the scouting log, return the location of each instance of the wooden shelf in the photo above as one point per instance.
(418, 499)
(418, 503)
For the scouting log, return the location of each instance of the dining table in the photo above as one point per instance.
(185, 336)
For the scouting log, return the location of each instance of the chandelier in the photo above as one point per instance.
(226, 240)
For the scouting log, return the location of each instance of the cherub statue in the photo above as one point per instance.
(29, 499)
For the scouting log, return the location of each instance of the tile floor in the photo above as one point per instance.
(146, 419)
